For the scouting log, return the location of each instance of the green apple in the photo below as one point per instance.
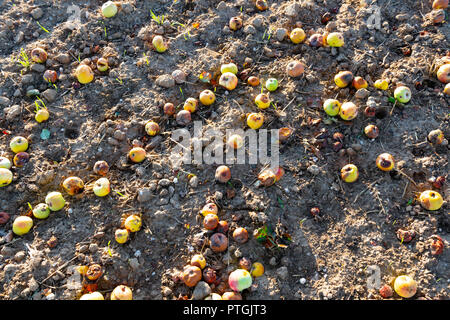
(335, 39)
(229, 67)
(5, 177)
(18, 144)
(271, 84)
(101, 187)
(159, 44)
(5, 163)
(22, 225)
(332, 107)
(41, 211)
(402, 94)
(55, 201)
(109, 9)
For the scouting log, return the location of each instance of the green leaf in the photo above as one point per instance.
(391, 99)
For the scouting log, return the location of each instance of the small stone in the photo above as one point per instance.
(13, 112)
(4, 101)
(19, 37)
(193, 182)
(164, 182)
(166, 291)
(283, 273)
(249, 29)
(84, 248)
(257, 22)
(144, 195)
(134, 264)
(292, 10)
(313, 169)
(280, 34)
(93, 247)
(27, 79)
(222, 6)
(49, 95)
(165, 81)
(119, 135)
(357, 147)
(37, 67)
(63, 58)
(273, 261)
(402, 17)
(202, 289)
(302, 280)
(362, 93)
(179, 76)
(37, 13)
(19, 256)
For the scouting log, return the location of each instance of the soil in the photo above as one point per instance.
(330, 255)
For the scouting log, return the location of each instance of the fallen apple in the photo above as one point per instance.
(101, 168)
(230, 295)
(152, 128)
(22, 225)
(223, 174)
(18, 144)
(121, 235)
(405, 286)
(109, 9)
(295, 69)
(381, 84)
(440, 4)
(343, 78)
(435, 137)
(38, 55)
(239, 280)
(253, 81)
(73, 185)
(332, 107)
(5, 163)
(84, 74)
(6, 177)
(402, 94)
(190, 105)
(183, 117)
(348, 111)
(262, 100)
(210, 221)
(160, 44)
(443, 73)
(349, 173)
(235, 23)
(297, 35)
(218, 242)
(55, 201)
(228, 80)
(255, 120)
(385, 162)
(371, 131)
(50, 76)
(229, 67)
(335, 39)
(137, 154)
(41, 211)
(431, 200)
(169, 109)
(102, 65)
(122, 292)
(261, 5)
(257, 269)
(207, 97)
(240, 235)
(235, 141)
(317, 40)
(133, 223)
(198, 260)
(191, 275)
(359, 83)
(209, 208)
(447, 89)
(20, 159)
(42, 115)
(271, 84)
(92, 296)
(101, 187)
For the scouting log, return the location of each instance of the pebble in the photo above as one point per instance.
(134, 264)
(164, 182)
(37, 13)
(222, 6)
(37, 67)
(119, 135)
(165, 81)
(362, 93)
(144, 195)
(402, 17)
(249, 29)
(19, 256)
(4, 101)
(193, 182)
(12, 112)
(49, 95)
(93, 247)
(313, 169)
(83, 248)
(179, 76)
(273, 261)
(283, 273)
(292, 10)
(202, 289)
(280, 34)
(19, 37)
(257, 22)
(302, 280)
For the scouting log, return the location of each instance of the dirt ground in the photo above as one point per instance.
(330, 255)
